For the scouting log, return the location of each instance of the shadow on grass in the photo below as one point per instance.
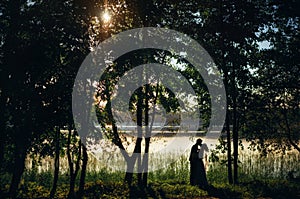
(145, 192)
(170, 189)
(222, 192)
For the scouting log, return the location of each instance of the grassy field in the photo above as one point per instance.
(259, 177)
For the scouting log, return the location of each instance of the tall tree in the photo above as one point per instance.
(31, 67)
(277, 81)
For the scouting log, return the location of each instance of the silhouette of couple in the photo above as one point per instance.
(198, 174)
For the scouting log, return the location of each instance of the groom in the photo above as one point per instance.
(198, 174)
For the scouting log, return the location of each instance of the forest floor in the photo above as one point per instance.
(168, 189)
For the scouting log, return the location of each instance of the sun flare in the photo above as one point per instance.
(106, 17)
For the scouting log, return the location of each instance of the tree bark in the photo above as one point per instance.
(229, 162)
(289, 133)
(3, 132)
(71, 166)
(2, 150)
(19, 166)
(148, 132)
(56, 162)
(137, 149)
(234, 127)
(83, 172)
(73, 172)
(131, 162)
(146, 161)
(227, 123)
(139, 120)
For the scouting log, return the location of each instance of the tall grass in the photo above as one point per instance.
(251, 166)
(260, 176)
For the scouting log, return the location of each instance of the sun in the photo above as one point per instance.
(106, 17)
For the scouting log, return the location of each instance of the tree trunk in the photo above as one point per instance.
(129, 173)
(235, 154)
(137, 149)
(148, 131)
(56, 162)
(83, 172)
(234, 128)
(148, 134)
(139, 121)
(3, 132)
(131, 162)
(71, 193)
(146, 161)
(73, 172)
(19, 166)
(229, 162)
(2, 147)
(227, 123)
(288, 129)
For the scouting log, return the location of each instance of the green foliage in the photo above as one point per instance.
(106, 190)
(105, 176)
(32, 190)
(99, 189)
(43, 44)
(257, 179)
(179, 190)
